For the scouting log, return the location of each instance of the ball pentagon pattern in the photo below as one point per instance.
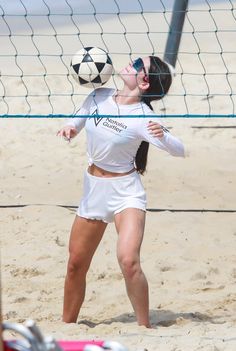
(91, 67)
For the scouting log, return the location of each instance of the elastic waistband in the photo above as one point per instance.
(134, 174)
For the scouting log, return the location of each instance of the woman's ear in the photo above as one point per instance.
(144, 85)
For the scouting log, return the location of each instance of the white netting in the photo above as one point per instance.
(37, 42)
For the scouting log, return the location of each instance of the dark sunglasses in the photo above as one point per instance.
(138, 65)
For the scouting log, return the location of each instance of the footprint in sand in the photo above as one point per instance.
(199, 276)
(20, 299)
(26, 272)
(166, 268)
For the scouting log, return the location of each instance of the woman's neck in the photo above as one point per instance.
(126, 97)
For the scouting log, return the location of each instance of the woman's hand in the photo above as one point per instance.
(156, 129)
(67, 132)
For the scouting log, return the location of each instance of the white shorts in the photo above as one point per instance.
(105, 197)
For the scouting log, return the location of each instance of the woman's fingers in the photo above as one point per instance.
(155, 129)
(67, 133)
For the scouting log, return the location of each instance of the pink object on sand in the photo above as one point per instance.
(78, 345)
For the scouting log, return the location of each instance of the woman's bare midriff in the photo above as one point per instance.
(99, 172)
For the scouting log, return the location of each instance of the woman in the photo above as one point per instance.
(113, 192)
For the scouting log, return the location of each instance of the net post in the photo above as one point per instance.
(175, 31)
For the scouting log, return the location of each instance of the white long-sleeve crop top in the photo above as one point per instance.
(112, 142)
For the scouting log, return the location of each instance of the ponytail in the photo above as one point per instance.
(160, 79)
(141, 157)
(142, 153)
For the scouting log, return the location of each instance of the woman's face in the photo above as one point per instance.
(136, 72)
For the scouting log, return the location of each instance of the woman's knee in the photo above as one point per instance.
(130, 266)
(77, 265)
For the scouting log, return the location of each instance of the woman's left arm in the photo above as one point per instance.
(158, 135)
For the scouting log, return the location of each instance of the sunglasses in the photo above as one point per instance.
(138, 65)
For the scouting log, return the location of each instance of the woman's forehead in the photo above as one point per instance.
(146, 61)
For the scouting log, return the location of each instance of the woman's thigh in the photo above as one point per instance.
(130, 225)
(85, 236)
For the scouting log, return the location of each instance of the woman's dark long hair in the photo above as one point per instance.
(160, 80)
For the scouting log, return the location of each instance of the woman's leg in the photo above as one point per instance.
(85, 236)
(130, 227)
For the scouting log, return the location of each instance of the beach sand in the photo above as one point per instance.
(188, 257)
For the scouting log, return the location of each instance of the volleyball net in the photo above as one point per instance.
(39, 39)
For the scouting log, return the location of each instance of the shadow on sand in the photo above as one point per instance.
(161, 318)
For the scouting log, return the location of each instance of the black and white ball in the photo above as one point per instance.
(91, 67)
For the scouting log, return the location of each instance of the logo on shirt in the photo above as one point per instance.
(108, 123)
(97, 120)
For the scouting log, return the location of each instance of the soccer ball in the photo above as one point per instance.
(91, 67)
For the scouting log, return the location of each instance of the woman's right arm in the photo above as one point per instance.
(76, 124)
(72, 127)
(68, 132)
